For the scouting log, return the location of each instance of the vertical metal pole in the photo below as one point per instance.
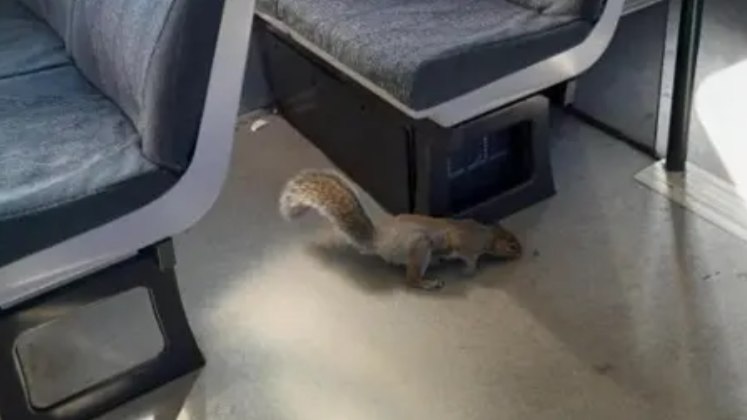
(688, 44)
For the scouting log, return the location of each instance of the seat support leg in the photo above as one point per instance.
(152, 269)
(685, 68)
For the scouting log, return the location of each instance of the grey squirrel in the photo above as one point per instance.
(405, 239)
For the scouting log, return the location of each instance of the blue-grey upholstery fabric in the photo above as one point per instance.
(57, 13)
(26, 44)
(34, 231)
(142, 54)
(70, 159)
(159, 74)
(425, 52)
(61, 140)
(553, 6)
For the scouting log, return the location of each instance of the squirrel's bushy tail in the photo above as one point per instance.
(333, 198)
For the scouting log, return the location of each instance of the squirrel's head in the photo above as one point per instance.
(504, 244)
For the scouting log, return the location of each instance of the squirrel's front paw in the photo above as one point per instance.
(430, 284)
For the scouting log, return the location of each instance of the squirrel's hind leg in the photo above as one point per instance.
(418, 260)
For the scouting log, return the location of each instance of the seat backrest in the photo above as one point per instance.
(151, 57)
(56, 13)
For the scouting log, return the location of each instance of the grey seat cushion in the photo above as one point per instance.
(425, 52)
(61, 140)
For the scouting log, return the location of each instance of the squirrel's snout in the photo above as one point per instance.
(508, 247)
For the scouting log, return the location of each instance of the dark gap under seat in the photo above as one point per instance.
(426, 52)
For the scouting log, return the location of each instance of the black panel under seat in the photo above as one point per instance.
(486, 168)
(500, 163)
(486, 162)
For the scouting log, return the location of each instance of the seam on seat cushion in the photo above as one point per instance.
(38, 71)
(37, 23)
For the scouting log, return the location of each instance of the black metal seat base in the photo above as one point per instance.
(152, 269)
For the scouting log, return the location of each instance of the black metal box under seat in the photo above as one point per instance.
(485, 169)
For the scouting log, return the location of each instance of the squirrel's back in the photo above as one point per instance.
(333, 198)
